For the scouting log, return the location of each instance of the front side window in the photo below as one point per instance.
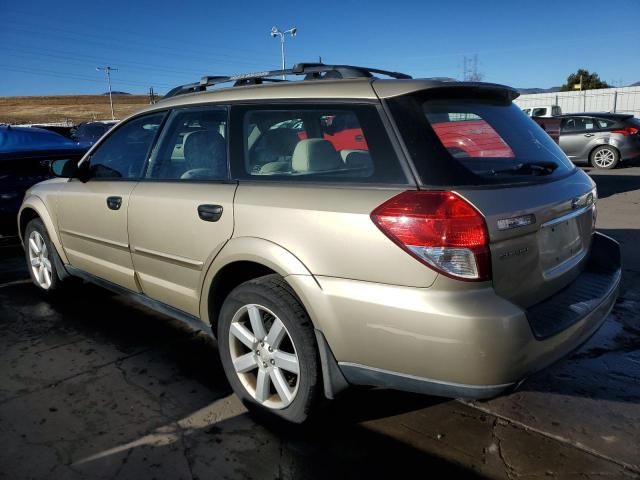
(461, 140)
(122, 154)
(539, 112)
(306, 143)
(193, 146)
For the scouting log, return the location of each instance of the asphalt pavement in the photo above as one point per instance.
(94, 387)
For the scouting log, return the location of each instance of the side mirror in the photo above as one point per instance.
(64, 168)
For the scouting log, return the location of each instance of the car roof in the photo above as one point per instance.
(31, 138)
(336, 89)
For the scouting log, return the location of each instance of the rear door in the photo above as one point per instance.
(181, 213)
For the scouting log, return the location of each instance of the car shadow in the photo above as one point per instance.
(179, 372)
(608, 365)
(620, 180)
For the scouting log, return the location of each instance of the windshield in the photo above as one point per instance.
(476, 141)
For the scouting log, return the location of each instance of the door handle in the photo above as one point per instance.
(210, 213)
(114, 203)
(588, 134)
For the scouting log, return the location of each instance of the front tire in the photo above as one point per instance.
(268, 349)
(604, 157)
(41, 255)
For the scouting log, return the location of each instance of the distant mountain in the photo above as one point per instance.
(637, 84)
(538, 90)
(116, 93)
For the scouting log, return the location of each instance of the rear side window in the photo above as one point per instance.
(604, 123)
(539, 112)
(475, 141)
(345, 144)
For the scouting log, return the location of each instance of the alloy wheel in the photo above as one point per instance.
(39, 260)
(264, 356)
(604, 158)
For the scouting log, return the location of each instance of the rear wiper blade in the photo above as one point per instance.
(535, 168)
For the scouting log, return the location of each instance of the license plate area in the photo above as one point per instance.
(562, 243)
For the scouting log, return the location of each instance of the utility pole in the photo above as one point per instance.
(275, 32)
(108, 71)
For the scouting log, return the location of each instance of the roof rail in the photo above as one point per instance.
(311, 71)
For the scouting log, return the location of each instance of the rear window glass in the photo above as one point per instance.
(461, 141)
(321, 144)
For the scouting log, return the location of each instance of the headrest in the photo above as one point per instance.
(315, 155)
(204, 148)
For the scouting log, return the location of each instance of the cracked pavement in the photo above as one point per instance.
(94, 387)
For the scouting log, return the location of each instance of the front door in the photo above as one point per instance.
(92, 214)
(181, 213)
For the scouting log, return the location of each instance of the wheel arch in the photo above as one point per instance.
(33, 207)
(245, 258)
(242, 259)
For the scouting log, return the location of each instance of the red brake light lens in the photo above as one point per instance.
(440, 229)
(626, 131)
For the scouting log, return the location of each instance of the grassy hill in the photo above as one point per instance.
(72, 108)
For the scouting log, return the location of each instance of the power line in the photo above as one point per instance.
(110, 43)
(19, 19)
(65, 75)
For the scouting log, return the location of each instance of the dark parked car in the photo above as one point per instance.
(88, 133)
(601, 139)
(25, 154)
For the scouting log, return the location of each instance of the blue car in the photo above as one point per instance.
(25, 155)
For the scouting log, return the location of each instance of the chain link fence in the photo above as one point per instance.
(617, 100)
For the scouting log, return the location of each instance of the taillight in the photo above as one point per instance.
(626, 131)
(440, 229)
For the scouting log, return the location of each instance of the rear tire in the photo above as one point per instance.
(41, 258)
(268, 349)
(604, 157)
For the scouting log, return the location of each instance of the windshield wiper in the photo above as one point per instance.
(533, 168)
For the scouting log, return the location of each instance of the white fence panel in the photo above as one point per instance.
(619, 100)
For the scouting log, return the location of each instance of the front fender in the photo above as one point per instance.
(35, 203)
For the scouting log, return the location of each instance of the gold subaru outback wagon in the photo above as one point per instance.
(344, 229)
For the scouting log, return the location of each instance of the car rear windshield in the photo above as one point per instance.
(475, 141)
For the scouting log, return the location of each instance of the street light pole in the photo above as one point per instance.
(108, 71)
(275, 32)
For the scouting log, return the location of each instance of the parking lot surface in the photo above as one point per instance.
(94, 387)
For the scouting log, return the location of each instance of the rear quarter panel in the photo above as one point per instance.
(329, 230)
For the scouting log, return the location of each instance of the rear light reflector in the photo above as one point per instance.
(441, 229)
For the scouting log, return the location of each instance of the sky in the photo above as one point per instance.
(54, 47)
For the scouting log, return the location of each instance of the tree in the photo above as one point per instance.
(589, 81)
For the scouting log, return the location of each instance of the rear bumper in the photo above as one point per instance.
(467, 343)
